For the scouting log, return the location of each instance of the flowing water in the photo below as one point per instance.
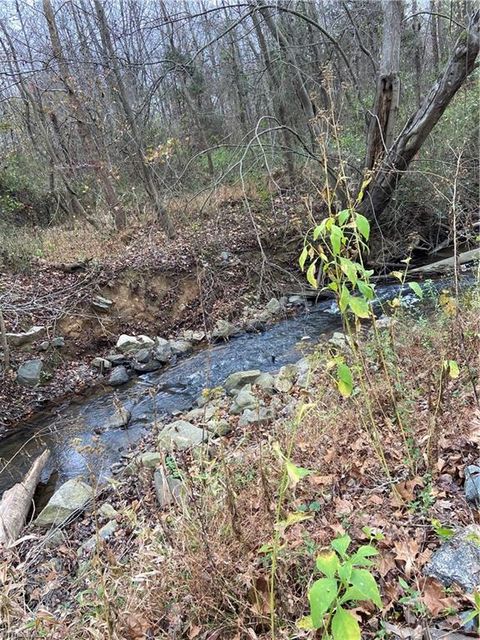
(74, 432)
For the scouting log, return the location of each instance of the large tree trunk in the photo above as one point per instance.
(16, 502)
(387, 99)
(408, 143)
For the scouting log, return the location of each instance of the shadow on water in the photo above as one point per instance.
(75, 434)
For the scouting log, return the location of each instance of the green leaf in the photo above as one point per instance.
(359, 306)
(344, 382)
(452, 367)
(364, 552)
(341, 544)
(302, 258)
(321, 595)
(311, 276)
(327, 563)
(345, 571)
(366, 585)
(397, 274)
(345, 626)
(344, 299)
(317, 231)
(349, 268)
(343, 216)
(417, 290)
(363, 225)
(305, 623)
(292, 518)
(336, 236)
(367, 290)
(441, 530)
(295, 474)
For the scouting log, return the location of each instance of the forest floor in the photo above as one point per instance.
(215, 268)
(202, 567)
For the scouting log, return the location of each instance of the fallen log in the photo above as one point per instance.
(16, 501)
(448, 263)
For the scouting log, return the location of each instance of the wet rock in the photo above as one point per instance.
(101, 363)
(224, 329)
(71, 497)
(296, 301)
(128, 344)
(273, 306)
(180, 347)
(458, 560)
(118, 376)
(58, 342)
(99, 303)
(182, 435)
(104, 533)
(254, 326)
(244, 400)
(27, 337)
(119, 419)
(237, 380)
(168, 489)
(143, 355)
(29, 373)
(472, 484)
(117, 359)
(262, 415)
(146, 367)
(163, 350)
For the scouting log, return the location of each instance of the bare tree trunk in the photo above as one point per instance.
(16, 502)
(4, 343)
(434, 36)
(415, 132)
(417, 55)
(387, 100)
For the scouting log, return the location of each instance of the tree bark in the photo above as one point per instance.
(387, 99)
(394, 165)
(16, 502)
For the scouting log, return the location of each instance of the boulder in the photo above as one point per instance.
(71, 497)
(244, 400)
(237, 380)
(149, 459)
(118, 376)
(180, 347)
(304, 369)
(182, 435)
(458, 560)
(472, 484)
(99, 303)
(286, 378)
(29, 373)
(104, 533)
(58, 342)
(147, 367)
(273, 306)
(101, 363)
(127, 344)
(219, 427)
(143, 355)
(117, 359)
(168, 489)
(27, 337)
(266, 382)
(202, 414)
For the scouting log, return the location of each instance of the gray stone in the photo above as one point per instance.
(296, 301)
(101, 304)
(470, 621)
(304, 369)
(147, 367)
(262, 415)
(54, 538)
(286, 377)
(225, 256)
(128, 344)
(237, 380)
(120, 418)
(254, 326)
(266, 382)
(149, 459)
(143, 355)
(43, 346)
(384, 322)
(224, 329)
(182, 435)
(107, 511)
(244, 400)
(104, 533)
(180, 347)
(118, 376)
(27, 337)
(117, 359)
(202, 414)
(29, 372)
(472, 484)
(58, 342)
(101, 363)
(339, 340)
(273, 306)
(71, 497)
(219, 427)
(458, 560)
(168, 489)
(163, 350)
(194, 336)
